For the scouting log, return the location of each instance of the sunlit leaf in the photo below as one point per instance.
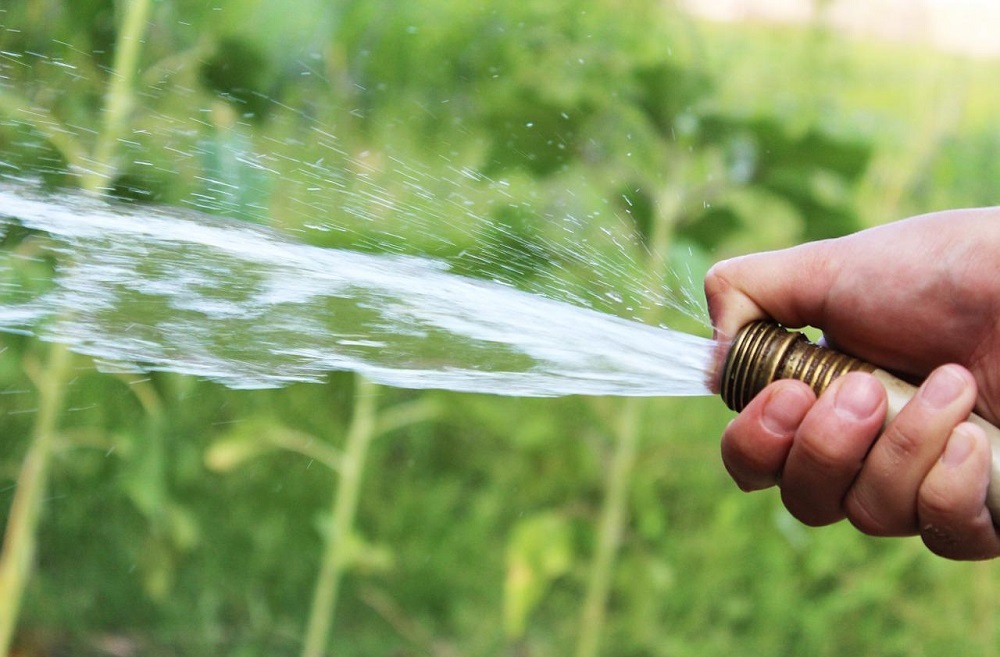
(539, 551)
(229, 453)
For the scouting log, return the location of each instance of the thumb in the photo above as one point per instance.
(790, 286)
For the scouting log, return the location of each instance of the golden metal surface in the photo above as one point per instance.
(764, 352)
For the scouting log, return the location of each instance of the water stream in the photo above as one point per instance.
(141, 288)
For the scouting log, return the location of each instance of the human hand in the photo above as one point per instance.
(908, 297)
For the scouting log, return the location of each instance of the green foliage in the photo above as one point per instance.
(569, 149)
(811, 172)
(540, 549)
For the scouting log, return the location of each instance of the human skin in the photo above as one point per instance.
(920, 298)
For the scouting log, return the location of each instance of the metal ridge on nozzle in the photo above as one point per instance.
(764, 352)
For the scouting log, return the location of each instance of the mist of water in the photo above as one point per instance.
(140, 288)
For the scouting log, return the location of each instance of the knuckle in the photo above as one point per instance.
(750, 484)
(826, 455)
(715, 279)
(714, 283)
(972, 540)
(740, 474)
(809, 515)
(935, 502)
(751, 477)
(901, 443)
(717, 288)
(809, 505)
(867, 515)
(940, 540)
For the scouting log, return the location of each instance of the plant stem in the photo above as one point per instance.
(21, 534)
(614, 510)
(20, 537)
(337, 548)
(119, 99)
(611, 528)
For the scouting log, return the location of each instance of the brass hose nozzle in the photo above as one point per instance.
(764, 352)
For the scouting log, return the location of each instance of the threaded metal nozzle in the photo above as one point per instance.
(764, 352)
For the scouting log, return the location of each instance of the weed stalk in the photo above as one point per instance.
(338, 544)
(614, 510)
(21, 534)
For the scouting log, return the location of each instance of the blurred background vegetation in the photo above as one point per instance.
(600, 152)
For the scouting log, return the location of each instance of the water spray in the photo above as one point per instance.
(764, 352)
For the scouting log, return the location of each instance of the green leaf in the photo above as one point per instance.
(665, 91)
(238, 72)
(539, 550)
(710, 228)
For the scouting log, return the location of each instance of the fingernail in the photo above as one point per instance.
(858, 397)
(943, 387)
(958, 448)
(783, 412)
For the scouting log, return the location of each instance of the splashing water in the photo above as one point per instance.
(162, 289)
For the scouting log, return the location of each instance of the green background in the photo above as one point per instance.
(601, 152)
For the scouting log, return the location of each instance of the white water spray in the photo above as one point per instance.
(172, 290)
